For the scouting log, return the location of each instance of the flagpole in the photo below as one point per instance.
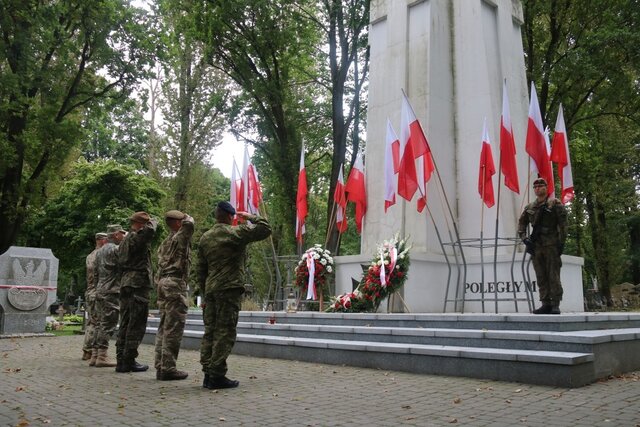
(483, 169)
(495, 246)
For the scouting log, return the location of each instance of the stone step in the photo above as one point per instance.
(570, 369)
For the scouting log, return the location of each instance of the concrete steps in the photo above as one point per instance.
(568, 350)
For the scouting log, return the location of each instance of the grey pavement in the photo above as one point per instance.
(44, 382)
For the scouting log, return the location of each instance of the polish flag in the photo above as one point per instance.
(551, 186)
(508, 164)
(412, 175)
(535, 144)
(560, 155)
(235, 190)
(356, 191)
(391, 164)
(341, 204)
(487, 169)
(301, 198)
(255, 192)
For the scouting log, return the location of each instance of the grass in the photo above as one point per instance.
(68, 330)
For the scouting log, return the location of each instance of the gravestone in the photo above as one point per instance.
(28, 285)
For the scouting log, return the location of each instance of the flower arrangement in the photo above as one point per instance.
(313, 271)
(386, 274)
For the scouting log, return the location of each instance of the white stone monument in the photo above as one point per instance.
(451, 58)
(28, 285)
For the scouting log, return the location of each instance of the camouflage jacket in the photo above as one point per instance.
(222, 253)
(92, 274)
(175, 251)
(135, 257)
(552, 224)
(107, 270)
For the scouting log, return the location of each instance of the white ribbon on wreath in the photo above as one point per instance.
(311, 286)
(393, 256)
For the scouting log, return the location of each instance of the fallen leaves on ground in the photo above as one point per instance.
(457, 400)
(453, 420)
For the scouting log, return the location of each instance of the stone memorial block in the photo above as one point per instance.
(28, 285)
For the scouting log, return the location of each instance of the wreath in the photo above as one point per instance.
(313, 271)
(386, 275)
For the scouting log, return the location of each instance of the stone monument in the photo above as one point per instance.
(451, 58)
(28, 285)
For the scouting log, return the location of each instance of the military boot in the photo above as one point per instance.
(94, 357)
(171, 375)
(544, 309)
(555, 309)
(86, 354)
(216, 383)
(130, 365)
(103, 361)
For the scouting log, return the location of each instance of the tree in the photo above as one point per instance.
(585, 55)
(56, 58)
(194, 97)
(268, 49)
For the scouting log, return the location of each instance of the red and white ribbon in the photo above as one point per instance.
(311, 268)
(383, 274)
(393, 257)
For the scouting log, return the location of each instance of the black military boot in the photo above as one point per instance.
(216, 383)
(137, 367)
(555, 309)
(545, 309)
(120, 365)
(205, 381)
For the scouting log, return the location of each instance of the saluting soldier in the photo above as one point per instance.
(106, 296)
(221, 258)
(548, 218)
(90, 296)
(137, 277)
(171, 282)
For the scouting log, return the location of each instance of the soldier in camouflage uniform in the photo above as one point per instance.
(221, 257)
(548, 218)
(90, 297)
(171, 282)
(137, 279)
(107, 301)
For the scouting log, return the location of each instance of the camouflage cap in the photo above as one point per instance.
(540, 181)
(174, 214)
(226, 206)
(115, 228)
(101, 236)
(140, 216)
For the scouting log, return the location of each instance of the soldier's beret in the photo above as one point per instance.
(141, 217)
(174, 214)
(226, 206)
(539, 181)
(101, 236)
(114, 228)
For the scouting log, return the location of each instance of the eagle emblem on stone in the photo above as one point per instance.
(27, 276)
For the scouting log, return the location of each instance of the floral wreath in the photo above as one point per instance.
(313, 271)
(386, 274)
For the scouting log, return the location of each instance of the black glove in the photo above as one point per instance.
(529, 244)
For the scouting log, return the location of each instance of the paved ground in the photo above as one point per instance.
(43, 381)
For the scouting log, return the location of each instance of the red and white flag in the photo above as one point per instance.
(536, 146)
(560, 155)
(551, 186)
(301, 198)
(340, 200)
(413, 145)
(235, 190)
(356, 191)
(391, 165)
(251, 195)
(508, 164)
(487, 169)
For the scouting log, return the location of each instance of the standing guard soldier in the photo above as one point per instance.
(137, 277)
(221, 257)
(548, 218)
(107, 291)
(90, 297)
(171, 281)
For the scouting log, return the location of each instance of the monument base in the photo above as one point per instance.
(478, 290)
(19, 323)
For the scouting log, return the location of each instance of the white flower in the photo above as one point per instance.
(316, 256)
(329, 269)
(386, 262)
(323, 261)
(401, 256)
(379, 263)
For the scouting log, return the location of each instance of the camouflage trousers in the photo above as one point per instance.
(547, 264)
(134, 309)
(90, 321)
(107, 310)
(220, 321)
(173, 306)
